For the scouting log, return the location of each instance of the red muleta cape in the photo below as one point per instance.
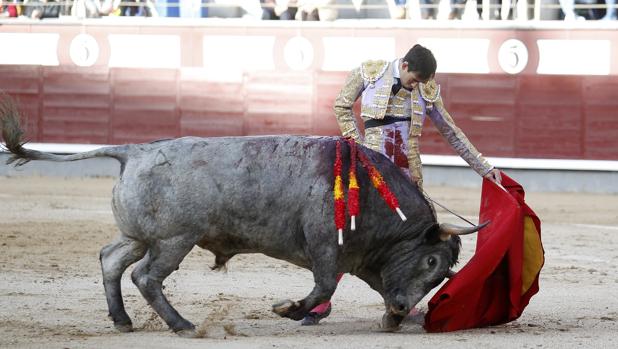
(499, 280)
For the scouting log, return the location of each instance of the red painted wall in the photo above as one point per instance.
(571, 117)
(522, 115)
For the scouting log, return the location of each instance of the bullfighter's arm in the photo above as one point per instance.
(457, 139)
(414, 160)
(414, 153)
(344, 102)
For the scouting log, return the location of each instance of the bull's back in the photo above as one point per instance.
(240, 187)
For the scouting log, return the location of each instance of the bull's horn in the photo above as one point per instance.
(446, 230)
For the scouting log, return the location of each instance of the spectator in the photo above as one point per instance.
(95, 8)
(429, 8)
(611, 13)
(458, 6)
(144, 8)
(279, 9)
(397, 9)
(316, 10)
(10, 10)
(42, 9)
(570, 13)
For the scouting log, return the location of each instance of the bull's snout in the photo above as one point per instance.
(400, 306)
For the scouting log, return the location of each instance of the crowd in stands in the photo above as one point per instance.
(304, 10)
(39, 9)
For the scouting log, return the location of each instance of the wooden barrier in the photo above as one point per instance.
(289, 86)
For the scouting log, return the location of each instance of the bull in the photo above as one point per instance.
(271, 195)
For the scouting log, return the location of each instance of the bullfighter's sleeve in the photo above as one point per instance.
(414, 159)
(344, 102)
(457, 139)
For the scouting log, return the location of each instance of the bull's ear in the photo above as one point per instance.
(432, 234)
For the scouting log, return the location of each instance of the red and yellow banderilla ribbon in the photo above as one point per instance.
(353, 189)
(379, 183)
(338, 193)
(353, 207)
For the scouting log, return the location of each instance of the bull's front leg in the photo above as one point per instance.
(324, 260)
(323, 290)
(390, 322)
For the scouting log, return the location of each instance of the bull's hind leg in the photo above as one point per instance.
(162, 259)
(324, 267)
(115, 258)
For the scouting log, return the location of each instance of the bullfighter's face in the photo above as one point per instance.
(412, 272)
(409, 79)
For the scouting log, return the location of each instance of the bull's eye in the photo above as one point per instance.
(431, 261)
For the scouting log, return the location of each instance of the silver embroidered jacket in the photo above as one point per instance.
(373, 82)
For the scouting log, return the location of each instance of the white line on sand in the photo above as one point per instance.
(596, 226)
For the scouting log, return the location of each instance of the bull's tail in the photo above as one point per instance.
(12, 134)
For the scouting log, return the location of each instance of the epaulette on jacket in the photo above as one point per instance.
(430, 91)
(372, 71)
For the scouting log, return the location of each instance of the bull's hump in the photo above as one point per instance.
(267, 143)
(231, 152)
(257, 137)
(264, 138)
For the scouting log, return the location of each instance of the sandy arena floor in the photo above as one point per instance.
(51, 296)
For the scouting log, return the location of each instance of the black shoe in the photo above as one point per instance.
(312, 318)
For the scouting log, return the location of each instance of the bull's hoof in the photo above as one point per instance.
(289, 309)
(184, 329)
(124, 328)
(416, 317)
(188, 333)
(391, 323)
(283, 307)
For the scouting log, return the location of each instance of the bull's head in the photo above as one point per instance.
(416, 267)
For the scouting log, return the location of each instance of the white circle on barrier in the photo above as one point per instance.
(84, 50)
(298, 53)
(513, 56)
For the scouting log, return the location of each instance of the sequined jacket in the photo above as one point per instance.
(373, 82)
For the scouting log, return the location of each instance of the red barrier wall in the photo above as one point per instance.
(519, 115)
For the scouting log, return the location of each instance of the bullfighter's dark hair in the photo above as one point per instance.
(421, 60)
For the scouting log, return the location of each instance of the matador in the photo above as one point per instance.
(395, 99)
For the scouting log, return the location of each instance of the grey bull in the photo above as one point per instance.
(270, 195)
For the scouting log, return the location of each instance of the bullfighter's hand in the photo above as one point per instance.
(417, 180)
(494, 176)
